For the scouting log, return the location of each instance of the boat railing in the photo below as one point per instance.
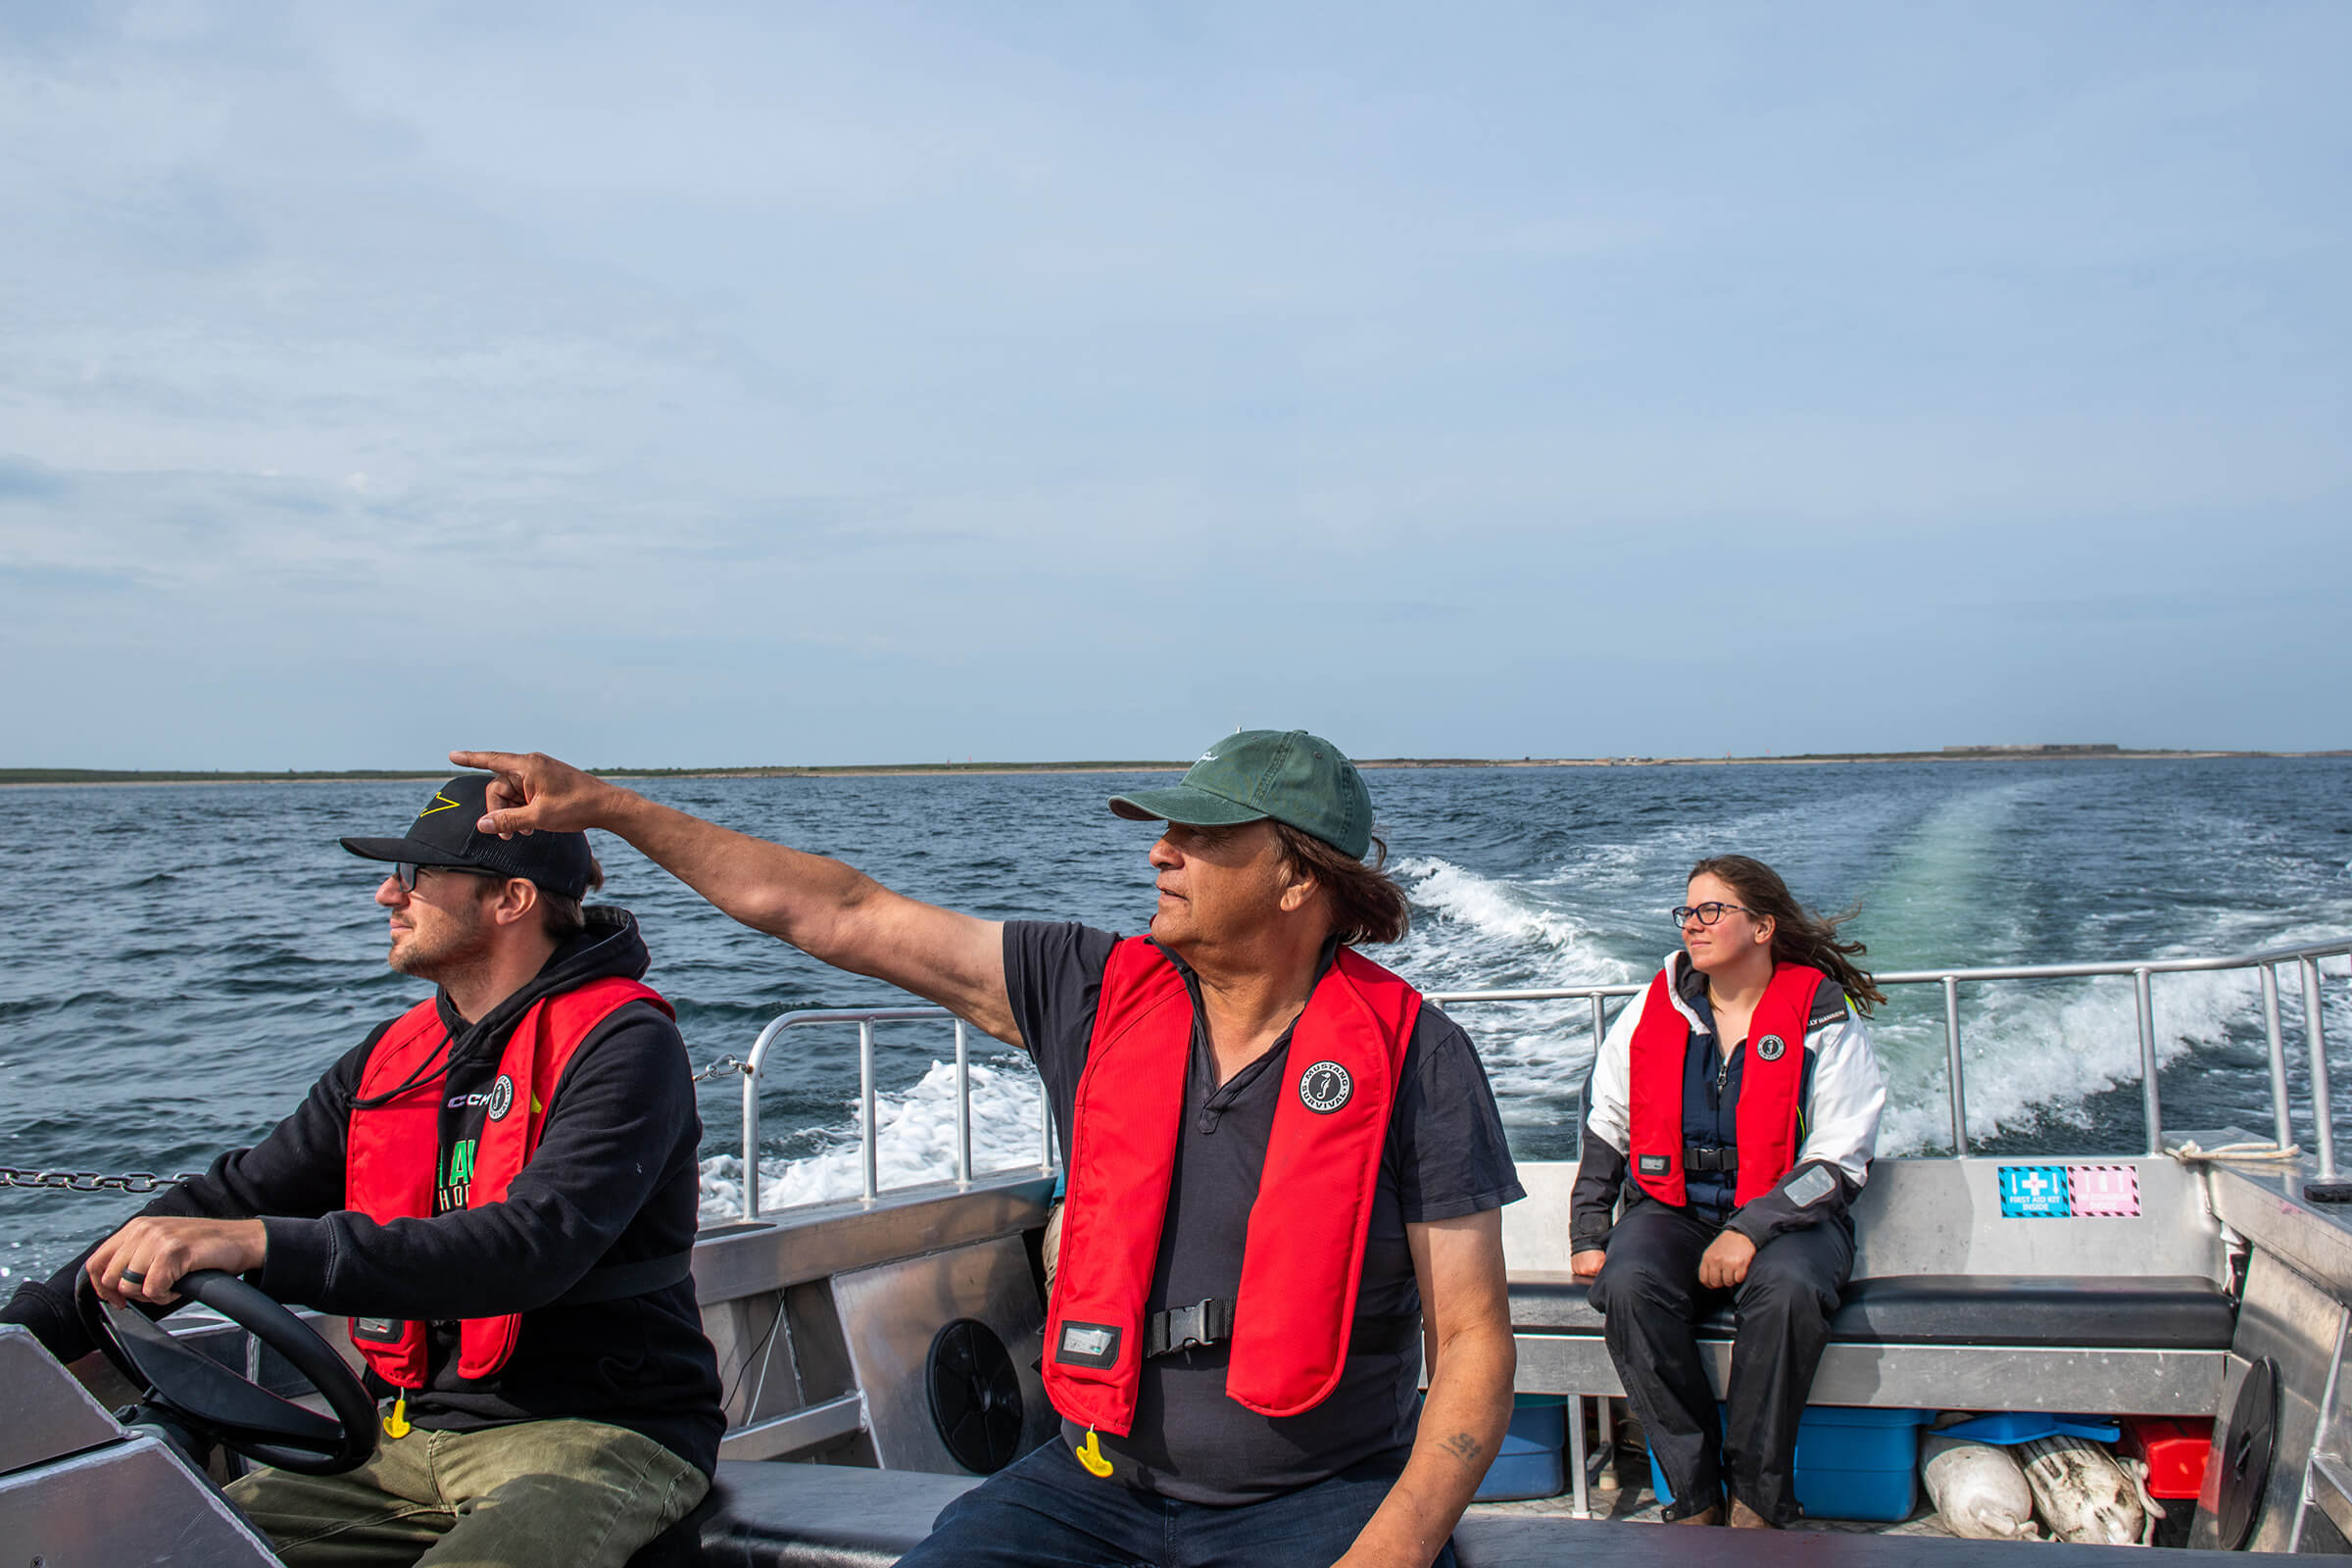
(869, 1156)
(2303, 960)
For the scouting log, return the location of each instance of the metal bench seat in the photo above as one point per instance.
(1957, 1304)
(2178, 1312)
(2152, 1346)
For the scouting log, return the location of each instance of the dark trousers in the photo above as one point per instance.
(1044, 1512)
(1649, 1293)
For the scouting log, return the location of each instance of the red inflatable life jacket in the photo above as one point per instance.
(1771, 1081)
(392, 1150)
(1304, 1249)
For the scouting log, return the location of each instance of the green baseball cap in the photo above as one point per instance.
(1288, 775)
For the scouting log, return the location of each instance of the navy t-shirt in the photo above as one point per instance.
(1444, 1158)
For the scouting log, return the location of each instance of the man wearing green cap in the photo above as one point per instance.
(1286, 1173)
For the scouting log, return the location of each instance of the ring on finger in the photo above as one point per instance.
(131, 1276)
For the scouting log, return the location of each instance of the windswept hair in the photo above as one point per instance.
(1366, 904)
(1798, 935)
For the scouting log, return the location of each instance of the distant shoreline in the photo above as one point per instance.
(81, 777)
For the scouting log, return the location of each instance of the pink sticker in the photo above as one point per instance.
(2104, 1192)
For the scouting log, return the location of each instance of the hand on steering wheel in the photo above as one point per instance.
(224, 1405)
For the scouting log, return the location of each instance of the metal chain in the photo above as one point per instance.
(725, 1067)
(90, 1181)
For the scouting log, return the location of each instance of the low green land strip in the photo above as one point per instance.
(100, 775)
(104, 775)
(108, 775)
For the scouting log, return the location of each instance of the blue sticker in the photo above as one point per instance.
(2034, 1192)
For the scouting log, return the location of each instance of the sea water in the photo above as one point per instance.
(184, 961)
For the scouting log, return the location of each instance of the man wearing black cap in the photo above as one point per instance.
(498, 1187)
(1284, 1171)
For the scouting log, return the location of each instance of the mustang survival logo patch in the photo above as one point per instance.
(1325, 1087)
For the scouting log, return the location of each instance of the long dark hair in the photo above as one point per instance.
(1366, 904)
(1798, 935)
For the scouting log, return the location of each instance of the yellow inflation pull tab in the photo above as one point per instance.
(1090, 1454)
(396, 1425)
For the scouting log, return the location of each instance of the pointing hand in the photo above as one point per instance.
(528, 793)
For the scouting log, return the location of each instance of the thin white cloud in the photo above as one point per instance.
(995, 345)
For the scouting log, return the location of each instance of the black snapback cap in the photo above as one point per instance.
(444, 834)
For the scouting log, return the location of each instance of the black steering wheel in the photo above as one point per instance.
(226, 1407)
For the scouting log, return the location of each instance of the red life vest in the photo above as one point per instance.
(1770, 1082)
(1304, 1251)
(391, 1150)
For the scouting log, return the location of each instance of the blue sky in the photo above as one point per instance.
(759, 384)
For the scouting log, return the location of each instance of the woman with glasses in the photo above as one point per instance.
(1741, 1093)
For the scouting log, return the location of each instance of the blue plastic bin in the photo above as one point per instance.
(1851, 1463)
(2011, 1427)
(1530, 1462)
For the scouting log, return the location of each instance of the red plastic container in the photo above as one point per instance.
(2176, 1452)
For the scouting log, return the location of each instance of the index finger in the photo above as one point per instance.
(506, 791)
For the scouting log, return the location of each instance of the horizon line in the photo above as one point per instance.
(35, 776)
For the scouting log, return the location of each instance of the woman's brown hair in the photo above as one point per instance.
(1798, 935)
(1366, 904)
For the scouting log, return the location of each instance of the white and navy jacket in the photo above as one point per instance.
(1842, 1097)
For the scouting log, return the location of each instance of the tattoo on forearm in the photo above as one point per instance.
(1463, 1447)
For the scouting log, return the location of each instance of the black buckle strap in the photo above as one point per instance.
(1724, 1158)
(1210, 1322)
(1185, 1328)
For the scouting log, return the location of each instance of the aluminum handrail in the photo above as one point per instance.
(2266, 961)
(2305, 957)
(869, 1148)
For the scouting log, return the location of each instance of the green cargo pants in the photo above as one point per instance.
(559, 1494)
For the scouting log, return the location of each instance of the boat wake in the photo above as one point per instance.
(915, 1143)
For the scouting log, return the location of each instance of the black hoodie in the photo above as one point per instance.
(613, 1181)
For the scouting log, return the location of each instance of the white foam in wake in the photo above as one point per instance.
(2034, 1051)
(1498, 911)
(1475, 933)
(915, 1143)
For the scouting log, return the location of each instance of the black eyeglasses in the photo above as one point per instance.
(1708, 913)
(407, 871)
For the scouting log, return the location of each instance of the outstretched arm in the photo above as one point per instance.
(1466, 1316)
(821, 906)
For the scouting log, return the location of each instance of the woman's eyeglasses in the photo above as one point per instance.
(1708, 913)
